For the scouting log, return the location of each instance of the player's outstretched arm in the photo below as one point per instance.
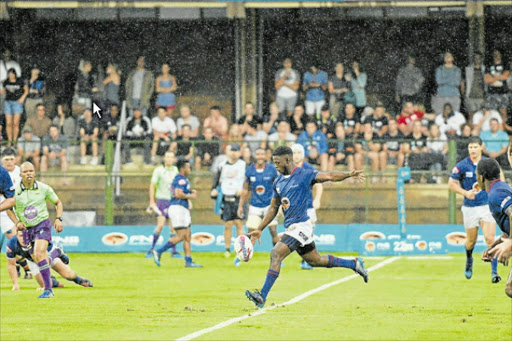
(271, 214)
(339, 176)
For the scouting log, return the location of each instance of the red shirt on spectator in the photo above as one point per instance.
(409, 119)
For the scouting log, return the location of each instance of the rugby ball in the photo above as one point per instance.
(243, 248)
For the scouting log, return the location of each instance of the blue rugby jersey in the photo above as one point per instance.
(260, 182)
(6, 185)
(182, 183)
(294, 191)
(465, 173)
(307, 165)
(500, 199)
(14, 248)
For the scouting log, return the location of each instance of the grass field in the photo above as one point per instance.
(132, 299)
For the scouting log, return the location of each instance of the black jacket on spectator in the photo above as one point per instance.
(211, 148)
(138, 128)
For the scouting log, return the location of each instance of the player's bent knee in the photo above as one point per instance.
(508, 290)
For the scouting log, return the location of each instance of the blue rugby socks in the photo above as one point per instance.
(494, 265)
(155, 239)
(336, 262)
(77, 279)
(173, 245)
(269, 282)
(164, 248)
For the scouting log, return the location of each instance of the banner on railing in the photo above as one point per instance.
(368, 240)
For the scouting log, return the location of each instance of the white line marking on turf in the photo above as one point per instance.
(293, 300)
(429, 257)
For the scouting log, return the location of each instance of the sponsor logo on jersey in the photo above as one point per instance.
(30, 212)
(286, 203)
(260, 189)
(455, 170)
(253, 178)
(182, 182)
(469, 174)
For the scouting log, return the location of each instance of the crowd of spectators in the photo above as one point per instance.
(328, 114)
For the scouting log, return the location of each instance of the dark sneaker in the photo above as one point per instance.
(63, 257)
(56, 283)
(468, 272)
(47, 294)
(86, 283)
(360, 269)
(255, 297)
(495, 277)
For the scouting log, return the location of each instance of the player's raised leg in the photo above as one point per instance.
(65, 271)
(489, 231)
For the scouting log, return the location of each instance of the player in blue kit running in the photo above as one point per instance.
(291, 190)
(475, 208)
(500, 204)
(259, 178)
(179, 214)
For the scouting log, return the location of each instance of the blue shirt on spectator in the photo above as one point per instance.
(315, 94)
(317, 140)
(494, 142)
(448, 81)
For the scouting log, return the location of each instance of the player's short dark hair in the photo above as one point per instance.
(475, 139)
(282, 151)
(8, 152)
(181, 164)
(489, 169)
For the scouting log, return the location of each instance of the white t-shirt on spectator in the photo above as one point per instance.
(253, 142)
(453, 123)
(193, 122)
(437, 145)
(479, 115)
(167, 126)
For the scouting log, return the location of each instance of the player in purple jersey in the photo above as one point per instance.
(291, 191)
(475, 208)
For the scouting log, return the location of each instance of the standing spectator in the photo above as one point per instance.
(165, 86)
(249, 116)
(416, 149)
(139, 86)
(495, 143)
(407, 118)
(15, 91)
(298, 120)
(448, 79)
(138, 134)
(473, 85)
(378, 120)
(393, 146)
(65, 121)
(187, 118)
(437, 145)
(409, 83)
(6, 64)
(367, 148)
(89, 131)
(358, 81)
(164, 131)
(207, 149)
(338, 87)
(255, 138)
(36, 91)
(497, 89)
(482, 120)
(54, 150)
(84, 87)
(315, 145)
(449, 122)
(272, 118)
(350, 120)
(287, 82)
(112, 84)
(217, 122)
(29, 148)
(40, 124)
(462, 142)
(182, 147)
(282, 137)
(314, 84)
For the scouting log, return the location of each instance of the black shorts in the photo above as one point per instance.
(230, 208)
(294, 245)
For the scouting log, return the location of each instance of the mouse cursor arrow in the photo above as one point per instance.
(96, 110)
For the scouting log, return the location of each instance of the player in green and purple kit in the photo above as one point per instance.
(33, 219)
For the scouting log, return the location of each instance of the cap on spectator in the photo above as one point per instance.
(325, 107)
(27, 129)
(235, 147)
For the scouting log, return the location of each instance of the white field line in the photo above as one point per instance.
(428, 257)
(293, 300)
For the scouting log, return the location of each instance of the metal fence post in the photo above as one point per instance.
(109, 186)
(452, 200)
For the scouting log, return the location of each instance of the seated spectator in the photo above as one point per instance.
(138, 134)
(416, 149)
(29, 148)
(315, 145)
(207, 150)
(217, 122)
(254, 137)
(36, 91)
(314, 84)
(298, 120)
(283, 136)
(187, 118)
(368, 148)
(407, 118)
(482, 120)
(89, 130)
(246, 156)
(54, 150)
(393, 146)
(437, 145)
(249, 116)
(272, 118)
(15, 91)
(350, 120)
(378, 120)
(40, 124)
(182, 147)
(449, 122)
(337, 154)
(326, 122)
(112, 123)
(495, 143)
(235, 135)
(462, 142)
(164, 131)
(65, 121)
(448, 80)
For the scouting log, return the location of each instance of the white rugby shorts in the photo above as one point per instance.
(180, 216)
(256, 215)
(472, 216)
(6, 223)
(312, 215)
(302, 232)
